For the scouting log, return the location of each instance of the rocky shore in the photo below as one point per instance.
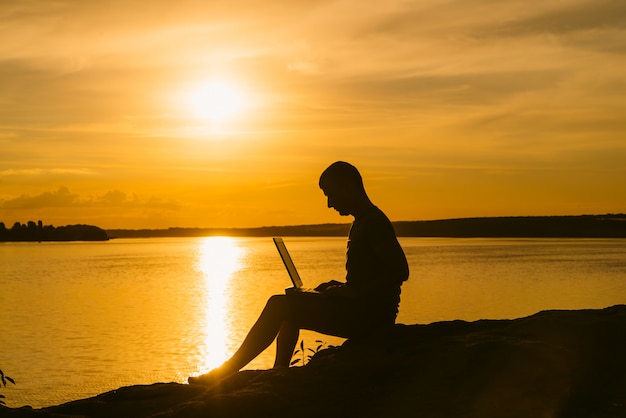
(551, 364)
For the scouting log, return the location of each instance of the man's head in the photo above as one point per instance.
(343, 185)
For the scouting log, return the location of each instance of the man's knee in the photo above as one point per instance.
(276, 299)
(277, 303)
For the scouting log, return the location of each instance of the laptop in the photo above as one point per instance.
(290, 266)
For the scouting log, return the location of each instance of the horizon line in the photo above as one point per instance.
(617, 215)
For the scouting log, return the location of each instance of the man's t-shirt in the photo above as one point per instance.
(375, 264)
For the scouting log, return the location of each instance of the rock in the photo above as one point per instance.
(551, 364)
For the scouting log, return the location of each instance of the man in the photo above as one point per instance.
(375, 269)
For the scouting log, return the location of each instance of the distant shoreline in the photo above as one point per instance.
(37, 232)
(582, 226)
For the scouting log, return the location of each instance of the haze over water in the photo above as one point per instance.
(83, 318)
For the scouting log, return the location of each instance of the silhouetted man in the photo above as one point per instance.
(369, 298)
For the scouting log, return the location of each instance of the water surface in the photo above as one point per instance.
(82, 318)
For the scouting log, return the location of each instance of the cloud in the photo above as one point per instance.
(58, 198)
(451, 89)
(567, 18)
(459, 19)
(113, 198)
(45, 172)
(63, 198)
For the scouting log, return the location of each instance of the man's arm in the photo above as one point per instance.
(392, 256)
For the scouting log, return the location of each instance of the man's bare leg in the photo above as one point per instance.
(285, 344)
(260, 336)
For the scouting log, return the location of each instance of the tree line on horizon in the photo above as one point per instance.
(581, 226)
(37, 232)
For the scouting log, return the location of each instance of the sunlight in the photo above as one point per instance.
(219, 258)
(216, 101)
(213, 109)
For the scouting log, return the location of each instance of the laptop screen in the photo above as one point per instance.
(291, 268)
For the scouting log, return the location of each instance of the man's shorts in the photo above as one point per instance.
(337, 315)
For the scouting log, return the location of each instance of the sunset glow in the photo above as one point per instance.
(203, 114)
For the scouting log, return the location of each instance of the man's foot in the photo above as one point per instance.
(211, 377)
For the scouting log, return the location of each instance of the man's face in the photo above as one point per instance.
(338, 199)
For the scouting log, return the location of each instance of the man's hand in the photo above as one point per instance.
(328, 285)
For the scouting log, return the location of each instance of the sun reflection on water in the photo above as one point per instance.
(218, 259)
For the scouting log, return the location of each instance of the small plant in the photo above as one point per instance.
(4, 378)
(301, 353)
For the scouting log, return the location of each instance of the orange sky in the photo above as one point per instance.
(449, 108)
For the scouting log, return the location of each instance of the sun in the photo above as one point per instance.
(216, 101)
